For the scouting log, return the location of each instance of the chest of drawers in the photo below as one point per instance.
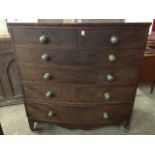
(79, 75)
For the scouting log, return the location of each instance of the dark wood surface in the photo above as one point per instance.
(78, 66)
(100, 37)
(78, 75)
(55, 36)
(10, 85)
(81, 94)
(79, 56)
(70, 36)
(90, 25)
(147, 73)
(80, 113)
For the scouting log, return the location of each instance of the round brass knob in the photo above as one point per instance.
(45, 57)
(107, 96)
(47, 76)
(43, 39)
(105, 115)
(114, 40)
(112, 58)
(49, 94)
(110, 77)
(50, 113)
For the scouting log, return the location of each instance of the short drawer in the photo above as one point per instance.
(74, 56)
(45, 36)
(78, 94)
(79, 75)
(97, 113)
(109, 37)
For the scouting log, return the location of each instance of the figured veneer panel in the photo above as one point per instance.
(78, 93)
(79, 75)
(79, 113)
(55, 36)
(73, 56)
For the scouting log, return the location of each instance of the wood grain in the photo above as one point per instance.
(78, 93)
(79, 113)
(78, 66)
(75, 56)
(10, 84)
(78, 75)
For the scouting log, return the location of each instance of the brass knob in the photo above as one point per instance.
(49, 94)
(110, 77)
(43, 39)
(47, 76)
(107, 96)
(45, 57)
(114, 40)
(50, 113)
(105, 115)
(112, 58)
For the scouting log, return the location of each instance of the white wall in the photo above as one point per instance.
(3, 29)
(138, 20)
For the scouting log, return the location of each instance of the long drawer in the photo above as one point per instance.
(78, 93)
(113, 57)
(78, 75)
(84, 36)
(81, 114)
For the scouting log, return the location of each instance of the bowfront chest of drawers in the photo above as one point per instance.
(79, 75)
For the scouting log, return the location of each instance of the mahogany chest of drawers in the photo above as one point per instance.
(79, 75)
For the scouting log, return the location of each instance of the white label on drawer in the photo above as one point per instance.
(82, 32)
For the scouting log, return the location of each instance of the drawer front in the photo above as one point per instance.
(72, 56)
(78, 94)
(87, 37)
(79, 75)
(79, 114)
(102, 37)
(45, 36)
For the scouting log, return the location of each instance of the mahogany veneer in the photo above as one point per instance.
(79, 75)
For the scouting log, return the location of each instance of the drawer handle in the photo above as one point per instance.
(45, 57)
(50, 113)
(110, 77)
(49, 94)
(47, 76)
(114, 40)
(112, 58)
(107, 96)
(43, 39)
(105, 115)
